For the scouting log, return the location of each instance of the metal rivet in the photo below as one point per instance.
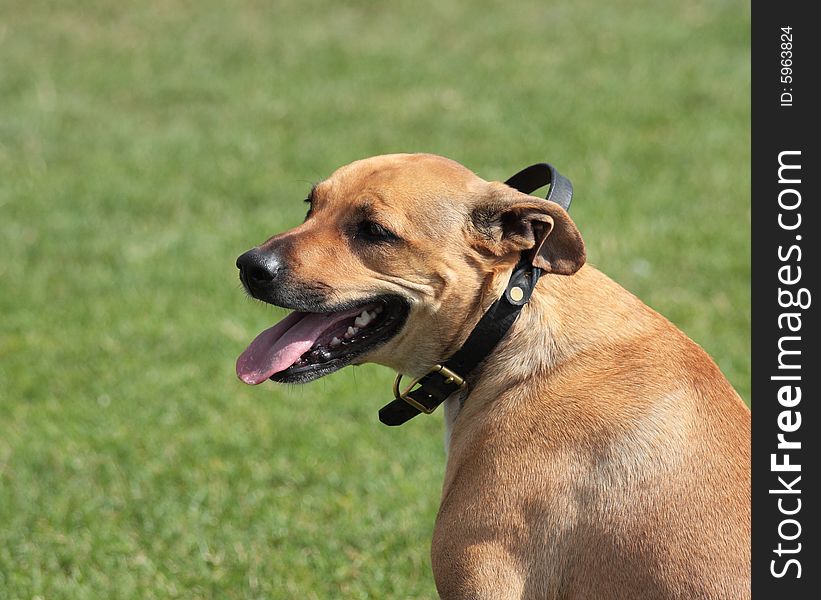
(516, 293)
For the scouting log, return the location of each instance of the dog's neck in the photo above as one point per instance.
(560, 322)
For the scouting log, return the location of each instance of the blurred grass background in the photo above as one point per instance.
(144, 145)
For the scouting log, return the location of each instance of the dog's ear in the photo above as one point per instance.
(508, 221)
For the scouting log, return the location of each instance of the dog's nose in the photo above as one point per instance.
(257, 267)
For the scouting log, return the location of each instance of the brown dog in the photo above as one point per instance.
(597, 453)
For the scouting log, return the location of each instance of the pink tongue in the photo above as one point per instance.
(279, 347)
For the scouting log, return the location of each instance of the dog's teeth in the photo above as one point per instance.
(352, 331)
(363, 319)
(335, 341)
(378, 309)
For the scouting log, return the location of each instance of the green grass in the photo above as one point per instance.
(143, 148)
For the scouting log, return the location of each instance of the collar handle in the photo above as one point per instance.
(531, 178)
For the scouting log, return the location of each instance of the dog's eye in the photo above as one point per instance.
(374, 232)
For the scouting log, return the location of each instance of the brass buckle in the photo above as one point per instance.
(450, 377)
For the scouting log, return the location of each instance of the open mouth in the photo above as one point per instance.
(307, 345)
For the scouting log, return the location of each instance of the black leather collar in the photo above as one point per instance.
(424, 394)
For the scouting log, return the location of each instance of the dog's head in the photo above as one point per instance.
(395, 262)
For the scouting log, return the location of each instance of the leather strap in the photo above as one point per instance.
(439, 383)
(531, 178)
